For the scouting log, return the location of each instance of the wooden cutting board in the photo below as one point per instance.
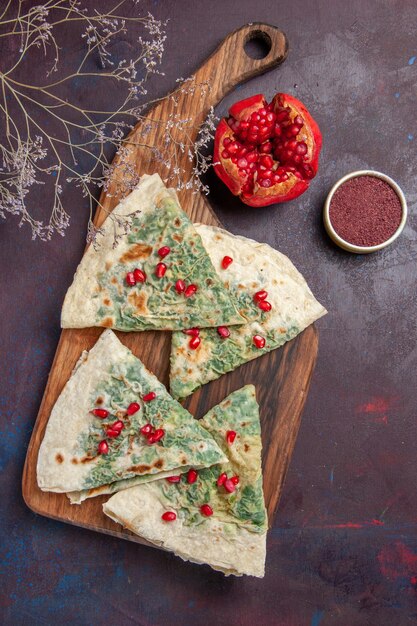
(282, 377)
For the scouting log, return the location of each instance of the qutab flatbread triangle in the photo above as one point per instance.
(112, 398)
(256, 267)
(134, 285)
(233, 538)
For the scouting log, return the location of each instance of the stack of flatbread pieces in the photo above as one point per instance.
(219, 516)
(192, 487)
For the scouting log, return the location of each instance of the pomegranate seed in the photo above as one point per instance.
(266, 160)
(226, 261)
(225, 154)
(169, 516)
(265, 182)
(235, 480)
(266, 147)
(133, 408)
(299, 120)
(191, 476)
(266, 174)
(233, 147)
(140, 276)
(260, 295)
(173, 479)
(157, 435)
(160, 270)
(147, 429)
(149, 396)
(180, 286)
(192, 332)
(194, 343)
(221, 479)
(229, 486)
(223, 331)
(151, 439)
(101, 413)
(190, 291)
(164, 251)
(242, 163)
(230, 436)
(206, 510)
(130, 279)
(103, 447)
(111, 432)
(258, 341)
(226, 141)
(264, 305)
(118, 425)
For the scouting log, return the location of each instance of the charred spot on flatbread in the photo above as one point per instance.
(87, 459)
(177, 222)
(139, 469)
(107, 265)
(138, 252)
(246, 447)
(107, 302)
(139, 301)
(159, 464)
(107, 322)
(59, 458)
(99, 400)
(74, 461)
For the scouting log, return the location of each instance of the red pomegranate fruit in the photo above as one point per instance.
(267, 153)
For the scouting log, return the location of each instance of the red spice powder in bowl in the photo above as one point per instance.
(365, 211)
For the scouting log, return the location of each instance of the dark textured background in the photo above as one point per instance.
(343, 549)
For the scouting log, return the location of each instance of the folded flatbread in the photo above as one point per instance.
(100, 294)
(110, 378)
(255, 267)
(233, 538)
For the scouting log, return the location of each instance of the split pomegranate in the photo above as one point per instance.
(267, 153)
(169, 516)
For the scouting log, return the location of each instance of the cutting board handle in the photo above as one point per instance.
(225, 68)
(230, 65)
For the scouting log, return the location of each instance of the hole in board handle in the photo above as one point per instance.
(258, 44)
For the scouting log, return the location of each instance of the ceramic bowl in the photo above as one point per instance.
(346, 245)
